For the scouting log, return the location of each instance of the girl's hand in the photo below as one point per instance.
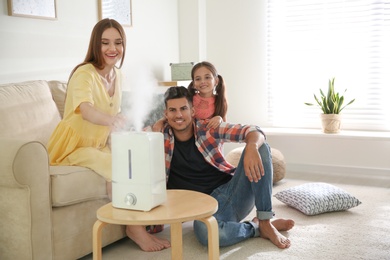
(214, 122)
(158, 126)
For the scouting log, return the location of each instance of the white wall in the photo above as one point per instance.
(228, 33)
(46, 49)
(234, 38)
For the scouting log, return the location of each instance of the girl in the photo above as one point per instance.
(207, 90)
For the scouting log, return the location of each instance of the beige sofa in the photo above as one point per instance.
(46, 212)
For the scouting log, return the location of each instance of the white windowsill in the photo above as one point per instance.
(318, 133)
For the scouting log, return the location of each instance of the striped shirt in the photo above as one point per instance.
(209, 142)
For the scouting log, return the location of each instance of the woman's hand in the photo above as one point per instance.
(94, 116)
(117, 123)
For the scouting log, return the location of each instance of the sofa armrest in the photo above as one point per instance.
(25, 205)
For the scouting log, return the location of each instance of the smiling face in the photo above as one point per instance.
(111, 47)
(205, 81)
(179, 114)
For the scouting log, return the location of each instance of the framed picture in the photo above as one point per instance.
(43, 9)
(119, 10)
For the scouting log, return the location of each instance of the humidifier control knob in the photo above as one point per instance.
(130, 199)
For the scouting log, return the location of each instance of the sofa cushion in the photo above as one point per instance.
(75, 184)
(58, 91)
(27, 110)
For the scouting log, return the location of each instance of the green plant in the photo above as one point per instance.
(332, 103)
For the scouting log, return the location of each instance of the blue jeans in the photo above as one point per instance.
(236, 200)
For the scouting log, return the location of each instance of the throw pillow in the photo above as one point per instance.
(316, 198)
(58, 91)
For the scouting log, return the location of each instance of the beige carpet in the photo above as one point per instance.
(359, 233)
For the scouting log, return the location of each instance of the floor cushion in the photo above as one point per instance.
(278, 162)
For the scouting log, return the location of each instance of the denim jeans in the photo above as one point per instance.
(236, 200)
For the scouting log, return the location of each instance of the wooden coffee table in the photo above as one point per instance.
(180, 206)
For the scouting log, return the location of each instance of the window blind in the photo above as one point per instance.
(309, 42)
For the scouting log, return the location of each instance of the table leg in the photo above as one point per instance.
(213, 237)
(97, 239)
(177, 241)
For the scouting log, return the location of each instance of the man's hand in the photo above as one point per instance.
(253, 165)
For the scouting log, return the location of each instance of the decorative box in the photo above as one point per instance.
(181, 71)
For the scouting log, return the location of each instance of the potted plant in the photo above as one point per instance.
(331, 105)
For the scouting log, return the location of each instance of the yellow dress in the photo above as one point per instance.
(76, 141)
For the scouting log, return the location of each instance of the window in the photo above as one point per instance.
(309, 42)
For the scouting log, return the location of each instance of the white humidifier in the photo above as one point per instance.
(138, 170)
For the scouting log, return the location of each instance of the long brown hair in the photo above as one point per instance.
(94, 55)
(220, 98)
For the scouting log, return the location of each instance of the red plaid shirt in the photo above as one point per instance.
(209, 142)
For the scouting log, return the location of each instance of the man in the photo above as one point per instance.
(194, 161)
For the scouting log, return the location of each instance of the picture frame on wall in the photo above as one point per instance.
(119, 10)
(42, 9)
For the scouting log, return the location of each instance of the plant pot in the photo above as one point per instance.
(330, 123)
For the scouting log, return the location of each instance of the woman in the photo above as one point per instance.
(92, 111)
(92, 103)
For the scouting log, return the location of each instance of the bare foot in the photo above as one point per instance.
(280, 224)
(268, 231)
(283, 224)
(146, 241)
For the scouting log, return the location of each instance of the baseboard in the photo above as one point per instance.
(340, 174)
